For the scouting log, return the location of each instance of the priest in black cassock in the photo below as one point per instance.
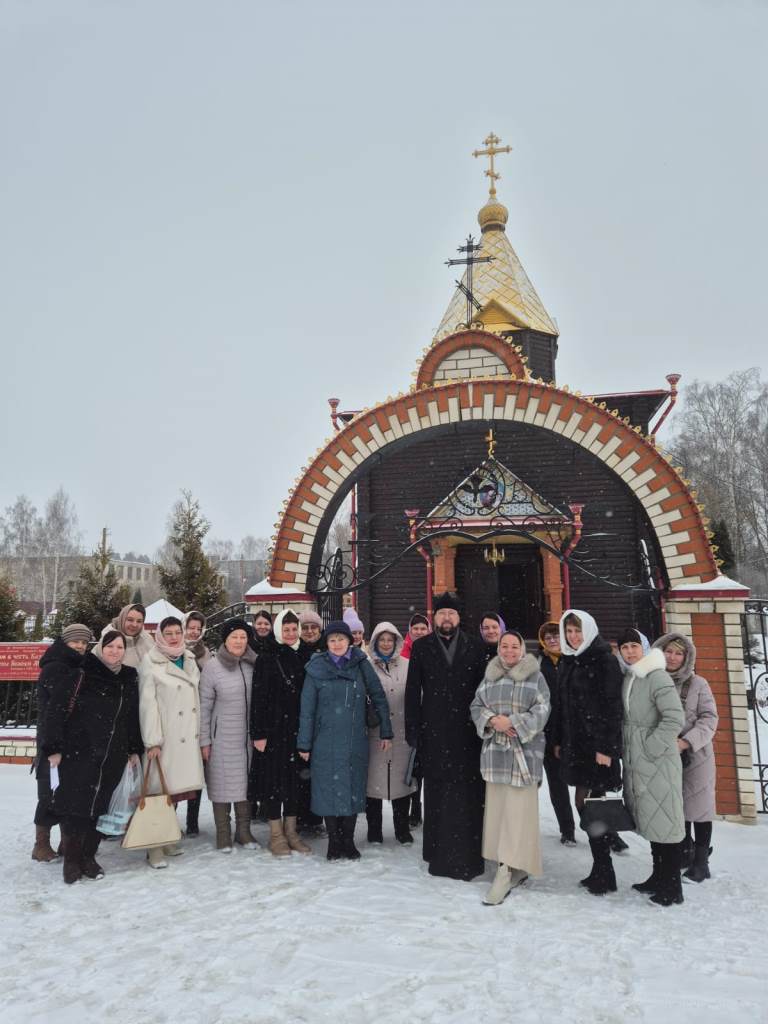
(444, 671)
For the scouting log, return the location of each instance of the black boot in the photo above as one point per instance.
(651, 884)
(616, 843)
(603, 879)
(193, 813)
(670, 889)
(699, 870)
(73, 857)
(414, 819)
(400, 817)
(686, 853)
(348, 848)
(90, 846)
(333, 828)
(373, 817)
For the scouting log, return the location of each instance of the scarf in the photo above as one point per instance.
(278, 627)
(171, 651)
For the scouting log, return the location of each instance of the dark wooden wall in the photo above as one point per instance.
(422, 474)
(540, 350)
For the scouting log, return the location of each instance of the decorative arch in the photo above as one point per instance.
(671, 507)
(477, 344)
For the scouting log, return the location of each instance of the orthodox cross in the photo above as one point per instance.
(491, 150)
(469, 261)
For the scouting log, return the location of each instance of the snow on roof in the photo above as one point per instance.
(160, 610)
(718, 583)
(265, 589)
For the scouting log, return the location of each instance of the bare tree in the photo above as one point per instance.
(56, 536)
(220, 550)
(721, 446)
(253, 549)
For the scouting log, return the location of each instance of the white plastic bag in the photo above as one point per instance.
(122, 804)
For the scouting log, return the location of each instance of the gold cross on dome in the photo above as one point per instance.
(491, 150)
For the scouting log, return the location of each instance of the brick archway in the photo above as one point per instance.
(498, 354)
(671, 508)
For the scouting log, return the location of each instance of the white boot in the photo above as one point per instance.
(156, 858)
(502, 884)
(174, 850)
(517, 877)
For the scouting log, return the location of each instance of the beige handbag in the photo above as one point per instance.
(154, 822)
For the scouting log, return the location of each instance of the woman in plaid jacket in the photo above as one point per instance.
(510, 710)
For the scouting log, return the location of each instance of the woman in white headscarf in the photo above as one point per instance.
(169, 711)
(587, 716)
(278, 678)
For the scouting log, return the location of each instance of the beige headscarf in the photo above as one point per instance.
(135, 646)
(98, 649)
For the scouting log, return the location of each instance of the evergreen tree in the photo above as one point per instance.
(722, 541)
(190, 580)
(137, 598)
(37, 631)
(96, 596)
(19, 632)
(7, 609)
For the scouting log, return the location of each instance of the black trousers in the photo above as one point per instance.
(560, 795)
(44, 816)
(453, 828)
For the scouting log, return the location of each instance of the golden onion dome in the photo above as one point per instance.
(493, 215)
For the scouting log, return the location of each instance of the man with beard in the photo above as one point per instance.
(444, 671)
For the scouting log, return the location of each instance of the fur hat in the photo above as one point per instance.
(447, 600)
(307, 618)
(232, 624)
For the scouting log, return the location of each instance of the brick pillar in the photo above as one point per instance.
(445, 569)
(553, 584)
(713, 621)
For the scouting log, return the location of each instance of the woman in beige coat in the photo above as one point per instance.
(387, 768)
(169, 713)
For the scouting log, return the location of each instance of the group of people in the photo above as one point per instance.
(302, 724)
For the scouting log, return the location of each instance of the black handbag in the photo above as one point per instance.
(602, 814)
(371, 714)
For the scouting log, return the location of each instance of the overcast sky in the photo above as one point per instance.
(215, 215)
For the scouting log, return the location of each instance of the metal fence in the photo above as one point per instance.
(754, 627)
(18, 705)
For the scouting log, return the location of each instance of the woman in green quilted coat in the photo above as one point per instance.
(653, 774)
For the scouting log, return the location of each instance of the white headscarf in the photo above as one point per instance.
(278, 630)
(588, 628)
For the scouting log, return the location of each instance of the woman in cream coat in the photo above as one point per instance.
(169, 713)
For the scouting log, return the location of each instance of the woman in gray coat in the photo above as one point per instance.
(387, 768)
(225, 702)
(696, 751)
(653, 776)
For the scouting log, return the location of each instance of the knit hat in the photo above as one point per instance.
(232, 624)
(76, 631)
(307, 618)
(447, 600)
(629, 636)
(352, 620)
(339, 627)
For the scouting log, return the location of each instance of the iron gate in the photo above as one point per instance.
(754, 627)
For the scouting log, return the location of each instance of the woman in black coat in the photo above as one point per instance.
(278, 677)
(586, 734)
(61, 662)
(91, 731)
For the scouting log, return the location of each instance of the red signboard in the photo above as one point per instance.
(19, 662)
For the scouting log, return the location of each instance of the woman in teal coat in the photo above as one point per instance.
(333, 732)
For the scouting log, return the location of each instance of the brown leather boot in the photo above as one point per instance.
(294, 839)
(42, 850)
(223, 827)
(243, 835)
(278, 844)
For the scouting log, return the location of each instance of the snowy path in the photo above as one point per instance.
(247, 939)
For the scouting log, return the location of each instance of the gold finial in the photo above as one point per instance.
(491, 150)
(491, 442)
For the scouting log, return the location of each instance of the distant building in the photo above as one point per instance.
(142, 576)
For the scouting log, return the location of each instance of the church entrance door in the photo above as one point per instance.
(514, 588)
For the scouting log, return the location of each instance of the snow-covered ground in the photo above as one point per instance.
(249, 939)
